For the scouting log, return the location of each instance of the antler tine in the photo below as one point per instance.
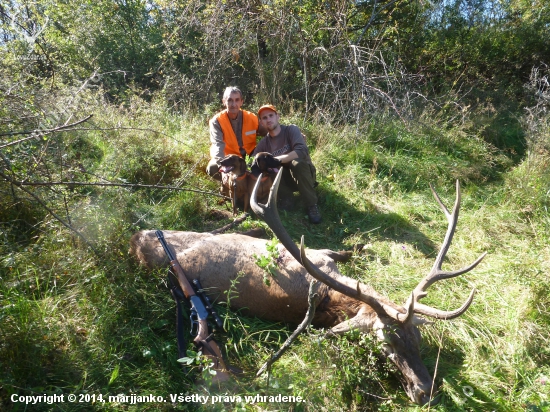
(342, 284)
(452, 218)
(436, 273)
(441, 314)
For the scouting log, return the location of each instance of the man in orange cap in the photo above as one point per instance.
(287, 144)
(232, 131)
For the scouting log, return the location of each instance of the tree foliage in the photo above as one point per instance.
(339, 58)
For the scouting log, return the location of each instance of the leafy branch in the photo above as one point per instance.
(268, 262)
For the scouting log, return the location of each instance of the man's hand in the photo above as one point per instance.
(287, 158)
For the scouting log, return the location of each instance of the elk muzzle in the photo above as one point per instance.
(402, 346)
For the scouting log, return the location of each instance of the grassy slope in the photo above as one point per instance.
(74, 322)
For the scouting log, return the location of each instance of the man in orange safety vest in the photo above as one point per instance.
(232, 131)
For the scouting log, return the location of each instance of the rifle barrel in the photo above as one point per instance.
(162, 241)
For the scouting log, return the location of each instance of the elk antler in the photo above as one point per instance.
(436, 273)
(342, 284)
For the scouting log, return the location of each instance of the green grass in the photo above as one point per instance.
(75, 321)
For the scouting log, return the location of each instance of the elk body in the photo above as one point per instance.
(217, 260)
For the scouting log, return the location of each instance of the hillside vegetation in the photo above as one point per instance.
(103, 132)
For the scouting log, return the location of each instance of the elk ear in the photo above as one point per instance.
(360, 322)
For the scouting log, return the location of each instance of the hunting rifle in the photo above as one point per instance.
(208, 304)
(203, 340)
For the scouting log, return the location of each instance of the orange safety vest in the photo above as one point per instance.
(250, 126)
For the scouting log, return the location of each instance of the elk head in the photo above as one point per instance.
(394, 325)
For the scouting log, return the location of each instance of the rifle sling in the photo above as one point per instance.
(178, 296)
(205, 345)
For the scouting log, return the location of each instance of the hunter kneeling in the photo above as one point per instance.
(287, 144)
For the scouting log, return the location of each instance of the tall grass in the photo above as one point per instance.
(77, 321)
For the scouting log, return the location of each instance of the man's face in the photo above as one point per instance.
(233, 103)
(269, 119)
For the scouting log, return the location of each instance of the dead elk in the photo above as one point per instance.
(217, 260)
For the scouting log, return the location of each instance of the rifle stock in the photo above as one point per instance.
(203, 340)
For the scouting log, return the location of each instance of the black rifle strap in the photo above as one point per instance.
(178, 296)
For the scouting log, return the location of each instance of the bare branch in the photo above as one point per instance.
(68, 226)
(132, 185)
(235, 222)
(139, 129)
(38, 132)
(312, 300)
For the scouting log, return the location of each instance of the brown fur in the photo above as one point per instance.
(235, 181)
(218, 259)
(265, 163)
(226, 267)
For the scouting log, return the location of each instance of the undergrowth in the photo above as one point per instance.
(74, 320)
